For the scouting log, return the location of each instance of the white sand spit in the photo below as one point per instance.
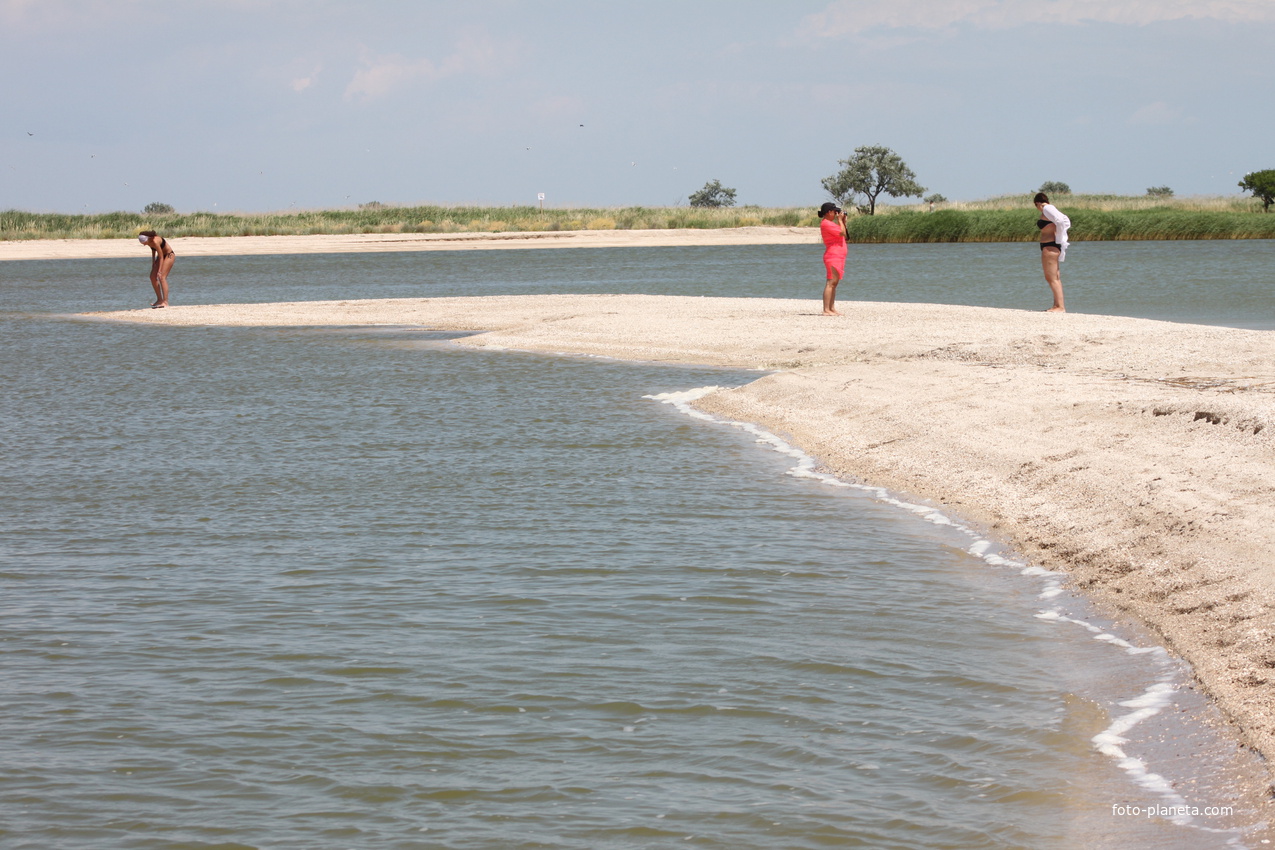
(1139, 456)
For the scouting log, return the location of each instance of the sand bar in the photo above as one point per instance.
(224, 246)
(1139, 456)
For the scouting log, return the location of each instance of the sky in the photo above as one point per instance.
(265, 105)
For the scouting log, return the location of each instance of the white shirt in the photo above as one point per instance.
(1061, 223)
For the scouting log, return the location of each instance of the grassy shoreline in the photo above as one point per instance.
(1003, 219)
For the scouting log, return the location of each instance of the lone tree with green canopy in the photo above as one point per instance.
(1262, 185)
(714, 194)
(873, 170)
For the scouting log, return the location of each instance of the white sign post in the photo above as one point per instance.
(541, 198)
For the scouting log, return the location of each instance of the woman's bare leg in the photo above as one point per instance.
(155, 281)
(830, 294)
(1053, 277)
(161, 281)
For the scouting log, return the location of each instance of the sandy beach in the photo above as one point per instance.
(225, 246)
(1135, 455)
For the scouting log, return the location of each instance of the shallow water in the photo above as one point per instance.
(1215, 282)
(350, 588)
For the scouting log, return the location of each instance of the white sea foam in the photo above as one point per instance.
(1110, 741)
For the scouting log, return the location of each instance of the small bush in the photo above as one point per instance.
(158, 209)
(1054, 187)
(601, 224)
(714, 194)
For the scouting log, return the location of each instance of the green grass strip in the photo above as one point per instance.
(1008, 219)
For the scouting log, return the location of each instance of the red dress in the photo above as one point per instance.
(834, 252)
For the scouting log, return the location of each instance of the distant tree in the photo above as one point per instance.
(936, 198)
(1262, 185)
(1160, 192)
(714, 194)
(873, 170)
(158, 209)
(372, 205)
(1054, 187)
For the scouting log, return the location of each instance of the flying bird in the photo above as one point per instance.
(32, 134)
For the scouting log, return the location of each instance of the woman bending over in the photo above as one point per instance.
(162, 257)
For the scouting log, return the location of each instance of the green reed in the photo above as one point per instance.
(1003, 219)
(15, 224)
(1087, 224)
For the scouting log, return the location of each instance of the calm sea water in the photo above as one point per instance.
(363, 588)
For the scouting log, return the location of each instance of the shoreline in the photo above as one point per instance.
(371, 243)
(225, 246)
(1134, 455)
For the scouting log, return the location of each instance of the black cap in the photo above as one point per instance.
(829, 205)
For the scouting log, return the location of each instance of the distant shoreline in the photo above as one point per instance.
(225, 246)
(1003, 219)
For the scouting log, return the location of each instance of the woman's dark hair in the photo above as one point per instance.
(828, 205)
(1041, 198)
(152, 234)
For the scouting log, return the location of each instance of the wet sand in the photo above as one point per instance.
(1138, 456)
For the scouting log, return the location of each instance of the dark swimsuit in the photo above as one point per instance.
(1042, 223)
(164, 251)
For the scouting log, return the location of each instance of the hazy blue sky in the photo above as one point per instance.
(262, 104)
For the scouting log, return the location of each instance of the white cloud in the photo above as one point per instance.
(558, 107)
(14, 10)
(852, 17)
(303, 83)
(473, 54)
(43, 15)
(380, 75)
(1157, 113)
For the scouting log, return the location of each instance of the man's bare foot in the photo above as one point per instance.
(1056, 310)
(831, 313)
(157, 306)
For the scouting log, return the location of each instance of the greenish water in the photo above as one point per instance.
(364, 588)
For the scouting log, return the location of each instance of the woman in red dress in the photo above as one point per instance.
(834, 232)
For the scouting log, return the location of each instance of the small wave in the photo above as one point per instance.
(1112, 740)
